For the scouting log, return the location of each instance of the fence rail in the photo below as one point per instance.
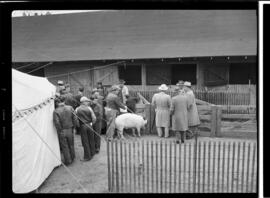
(144, 166)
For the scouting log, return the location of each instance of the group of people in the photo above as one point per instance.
(179, 111)
(88, 116)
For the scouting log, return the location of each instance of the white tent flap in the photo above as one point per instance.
(33, 134)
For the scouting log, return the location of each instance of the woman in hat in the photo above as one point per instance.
(193, 116)
(162, 103)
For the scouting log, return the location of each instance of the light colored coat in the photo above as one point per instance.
(179, 110)
(162, 104)
(193, 116)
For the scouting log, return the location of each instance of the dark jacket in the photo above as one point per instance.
(114, 102)
(64, 118)
(131, 104)
(70, 100)
(86, 114)
(97, 108)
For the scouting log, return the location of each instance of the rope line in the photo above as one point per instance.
(74, 177)
(95, 68)
(40, 67)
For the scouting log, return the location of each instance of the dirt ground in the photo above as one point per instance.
(92, 174)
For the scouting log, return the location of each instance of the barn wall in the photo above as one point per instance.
(88, 79)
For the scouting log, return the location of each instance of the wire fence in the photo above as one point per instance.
(148, 166)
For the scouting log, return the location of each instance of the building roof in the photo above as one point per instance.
(131, 34)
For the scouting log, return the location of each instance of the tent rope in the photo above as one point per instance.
(74, 177)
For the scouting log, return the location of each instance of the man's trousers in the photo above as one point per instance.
(66, 140)
(88, 142)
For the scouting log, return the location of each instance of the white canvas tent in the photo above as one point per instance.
(32, 133)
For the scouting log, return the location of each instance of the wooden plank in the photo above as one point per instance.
(204, 107)
(213, 120)
(239, 134)
(218, 121)
(205, 117)
(238, 116)
(148, 118)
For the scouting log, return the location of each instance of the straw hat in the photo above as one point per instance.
(114, 88)
(163, 87)
(121, 81)
(187, 84)
(60, 82)
(85, 99)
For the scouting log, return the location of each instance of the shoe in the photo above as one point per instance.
(182, 141)
(177, 142)
(97, 151)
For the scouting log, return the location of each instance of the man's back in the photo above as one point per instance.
(113, 102)
(64, 117)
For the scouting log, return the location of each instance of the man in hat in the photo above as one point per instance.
(65, 122)
(123, 91)
(78, 96)
(86, 118)
(179, 107)
(60, 87)
(193, 116)
(112, 110)
(162, 103)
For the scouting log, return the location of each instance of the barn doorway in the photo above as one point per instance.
(132, 74)
(186, 72)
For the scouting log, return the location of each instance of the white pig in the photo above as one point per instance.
(129, 120)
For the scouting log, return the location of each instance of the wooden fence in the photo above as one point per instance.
(213, 97)
(241, 121)
(162, 166)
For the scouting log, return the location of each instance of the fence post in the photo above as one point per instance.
(148, 118)
(213, 120)
(218, 121)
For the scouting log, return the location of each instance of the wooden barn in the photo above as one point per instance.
(210, 48)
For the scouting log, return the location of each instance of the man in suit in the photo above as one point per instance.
(65, 122)
(179, 108)
(193, 116)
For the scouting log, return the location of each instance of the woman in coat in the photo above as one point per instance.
(162, 103)
(179, 111)
(193, 115)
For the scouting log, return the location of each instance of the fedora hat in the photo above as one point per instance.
(180, 82)
(187, 84)
(85, 99)
(163, 87)
(121, 81)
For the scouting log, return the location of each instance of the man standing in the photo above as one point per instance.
(123, 91)
(179, 108)
(113, 109)
(97, 108)
(86, 118)
(193, 116)
(131, 104)
(162, 103)
(60, 87)
(78, 96)
(65, 122)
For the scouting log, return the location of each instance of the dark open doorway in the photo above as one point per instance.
(185, 72)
